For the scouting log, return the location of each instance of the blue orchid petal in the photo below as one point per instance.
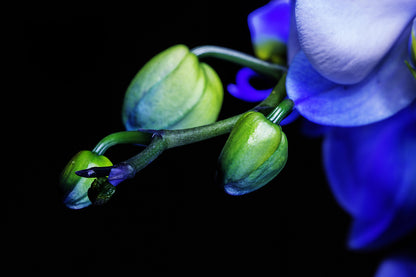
(269, 29)
(271, 20)
(344, 40)
(387, 90)
(403, 265)
(244, 90)
(371, 171)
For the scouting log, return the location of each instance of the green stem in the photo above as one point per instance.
(127, 137)
(165, 139)
(263, 67)
(275, 97)
(148, 155)
(281, 111)
(175, 138)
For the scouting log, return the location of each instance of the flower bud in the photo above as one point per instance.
(76, 187)
(255, 152)
(173, 91)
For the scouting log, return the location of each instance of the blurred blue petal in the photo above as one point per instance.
(387, 90)
(344, 41)
(290, 118)
(313, 130)
(371, 171)
(398, 266)
(269, 28)
(244, 90)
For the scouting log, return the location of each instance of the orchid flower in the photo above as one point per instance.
(346, 59)
(350, 70)
(347, 69)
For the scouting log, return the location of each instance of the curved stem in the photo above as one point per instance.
(148, 155)
(263, 67)
(175, 138)
(127, 137)
(275, 97)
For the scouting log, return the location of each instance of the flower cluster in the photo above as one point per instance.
(351, 72)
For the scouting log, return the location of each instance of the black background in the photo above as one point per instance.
(172, 217)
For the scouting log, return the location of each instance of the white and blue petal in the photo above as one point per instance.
(371, 171)
(389, 88)
(345, 40)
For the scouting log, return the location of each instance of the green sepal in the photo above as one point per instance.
(101, 191)
(411, 69)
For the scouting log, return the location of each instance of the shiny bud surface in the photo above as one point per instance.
(173, 91)
(76, 187)
(255, 152)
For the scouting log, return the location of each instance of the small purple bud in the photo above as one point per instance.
(119, 173)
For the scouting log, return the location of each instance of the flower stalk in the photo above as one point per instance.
(158, 141)
(126, 137)
(281, 111)
(263, 67)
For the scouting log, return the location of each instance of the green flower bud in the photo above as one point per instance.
(173, 91)
(76, 187)
(255, 152)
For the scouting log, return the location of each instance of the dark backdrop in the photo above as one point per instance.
(171, 218)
